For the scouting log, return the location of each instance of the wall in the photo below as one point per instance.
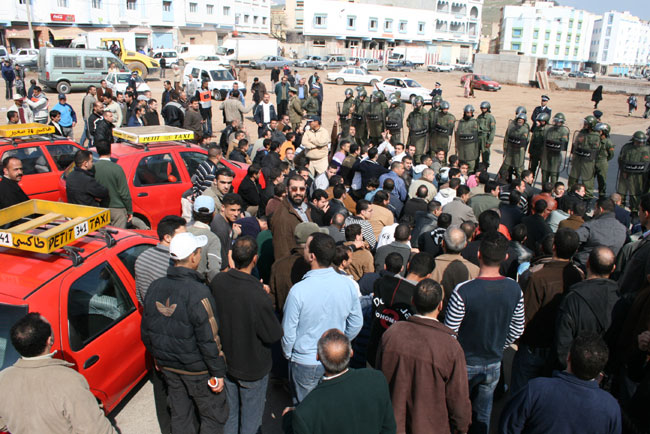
(506, 67)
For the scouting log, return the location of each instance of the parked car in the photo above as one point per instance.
(308, 61)
(120, 80)
(220, 80)
(25, 57)
(353, 75)
(482, 82)
(4, 54)
(270, 62)
(218, 60)
(464, 67)
(403, 65)
(558, 72)
(170, 56)
(440, 67)
(370, 64)
(332, 62)
(409, 88)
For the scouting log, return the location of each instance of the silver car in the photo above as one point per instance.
(332, 62)
(308, 61)
(270, 62)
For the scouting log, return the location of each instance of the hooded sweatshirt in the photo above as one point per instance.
(445, 196)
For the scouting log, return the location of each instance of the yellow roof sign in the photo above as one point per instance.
(74, 221)
(21, 130)
(158, 133)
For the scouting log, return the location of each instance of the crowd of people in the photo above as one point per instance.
(383, 279)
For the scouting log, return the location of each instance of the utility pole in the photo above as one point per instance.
(29, 23)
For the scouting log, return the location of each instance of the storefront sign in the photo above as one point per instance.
(66, 18)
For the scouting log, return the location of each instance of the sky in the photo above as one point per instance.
(635, 7)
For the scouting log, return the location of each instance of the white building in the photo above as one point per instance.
(159, 23)
(540, 29)
(447, 30)
(620, 40)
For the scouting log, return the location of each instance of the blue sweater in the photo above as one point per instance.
(563, 404)
(322, 300)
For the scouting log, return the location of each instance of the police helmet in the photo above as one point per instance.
(560, 118)
(602, 127)
(363, 93)
(419, 99)
(394, 101)
(485, 105)
(437, 99)
(349, 92)
(521, 109)
(543, 117)
(591, 121)
(444, 105)
(314, 91)
(521, 116)
(359, 88)
(468, 109)
(398, 93)
(639, 136)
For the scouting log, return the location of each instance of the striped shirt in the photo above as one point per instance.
(504, 197)
(205, 175)
(366, 229)
(488, 315)
(152, 264)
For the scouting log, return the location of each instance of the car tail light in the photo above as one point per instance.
(47, 75)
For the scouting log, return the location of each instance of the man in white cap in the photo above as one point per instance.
(180, 330)
(25, 114)
(202, 215)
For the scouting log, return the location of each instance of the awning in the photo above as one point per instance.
(63, 33)
(17, 34)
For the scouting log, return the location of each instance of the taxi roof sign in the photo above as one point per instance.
(22, 130)
(74, 221)
(158, 133)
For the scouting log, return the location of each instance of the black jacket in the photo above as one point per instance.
(10, 193)
(272, 159)
(179, 324)
(369, 169)
(93, 119)
(237, 155)
(83, 189)
(173, 114)
(104, 130)
(249, 192)
(248, 324)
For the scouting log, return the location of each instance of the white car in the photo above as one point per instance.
(214, 58)
(118, 81)
(220, 80)
(408, 88)
(353, 75)
(25, 57)
(170, 56)
(440, 67)
(558, 72)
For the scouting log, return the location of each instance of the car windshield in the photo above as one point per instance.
(221, 75)
(412, 83)
(9, 315)
(124, 78)
(485, 78)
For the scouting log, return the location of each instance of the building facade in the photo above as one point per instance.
(560, 34)
(620, 43)
(156, 23)
(445, 31)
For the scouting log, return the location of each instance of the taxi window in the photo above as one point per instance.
(9, 315)
(96, 301)
(34, 161)
(192, 161)
(63, 155)
(155, 170)
(130, 255)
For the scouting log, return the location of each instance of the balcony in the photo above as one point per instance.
(443, 6)
(441, 26)
(459, 9)
(456, 27)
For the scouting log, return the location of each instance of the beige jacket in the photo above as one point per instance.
(431, 189)
(234, 109)
(46, 395)
(315, 143)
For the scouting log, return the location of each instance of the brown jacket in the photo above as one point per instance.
(285, 272)
(283, 222)
(46, 395)
(450, 270)
(361, 262)
(573, 222)
(380, 218)
(427, 375)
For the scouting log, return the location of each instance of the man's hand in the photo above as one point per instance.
(236, 230)
(266, 287)
(287, 410)
(326, 207)
(129, 217)
(487, 145)
(220, 385)
(644, 341)
(260, 125)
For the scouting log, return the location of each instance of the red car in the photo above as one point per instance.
(44, 157)
(159, 174)
(88, 296)
(482, 82)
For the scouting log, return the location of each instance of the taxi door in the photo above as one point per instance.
(40, 174)
(100, 326)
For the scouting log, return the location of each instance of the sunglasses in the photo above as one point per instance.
(298, 188)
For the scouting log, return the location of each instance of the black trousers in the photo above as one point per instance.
(283, 105)
(189, 394)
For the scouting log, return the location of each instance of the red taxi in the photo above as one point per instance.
(482, 82)
(43, 155)
(160, 171)
(82, 280)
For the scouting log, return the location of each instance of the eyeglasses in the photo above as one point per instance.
(294, 189)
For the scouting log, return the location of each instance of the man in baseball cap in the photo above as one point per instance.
(25, 114)
(185, 244)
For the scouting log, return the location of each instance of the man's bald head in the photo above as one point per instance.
(601, 262)
(338, 220)
(455, 239)
(616, 198)
(428, 174)
(334, 351)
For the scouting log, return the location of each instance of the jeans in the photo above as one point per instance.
(246, 401)
(304, 378)
(483, 380)
(529, 363)
(86, 135)
(9, 89)
(189, 394)
(206, 114)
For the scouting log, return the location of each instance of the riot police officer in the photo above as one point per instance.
(311, 105)
(467, 147)
(633, 164)
(394, 121)
(514, 147)
(537, 141)
(583, 156)
(375, 117)
(556, 140)
(605, 154)
(417, 122)
(443, 128)
(402, 105)
(487, 126)
(359, 117)
(433, 117)
(345, 116)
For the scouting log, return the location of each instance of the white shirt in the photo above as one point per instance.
(266, 112)
(386, 146)
(321, 181)
(398, 157)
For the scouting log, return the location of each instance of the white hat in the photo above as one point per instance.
(184, 244)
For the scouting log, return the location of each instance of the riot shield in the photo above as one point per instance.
(467, 141)
(556, 142)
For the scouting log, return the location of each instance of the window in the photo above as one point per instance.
(209, 9)
(320, 21)
(194, 8)
(575, 51)
(192, 161)
(264, 20)
(63, 155)
(516, 46)
(94, 62)
(226, 11)
(67, 62)
(403, 26)
(352, 22)
(566, 51)
(96, 301)
(318, 43)
(130, 255)
(533, 49)
(156, 169)
(558, 36)
(34, 161)
(300, 4)
(255, 18)
(372, 24)
(570, 23)
(10, 314)
(568, 37)
(388, 25)
(246, 17)
(62, 3)
(421, 27)
(547, 35)
(545, 49)
(608, 32)
(610, 19)
(556, 51)
(131, 5)
(299, 22)
(167, 6)
(97, 4)
(577, 39)
(579, 25)
(516, 32)
(535, 33)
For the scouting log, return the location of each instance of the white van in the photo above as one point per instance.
(189, 52)
(220, 80)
